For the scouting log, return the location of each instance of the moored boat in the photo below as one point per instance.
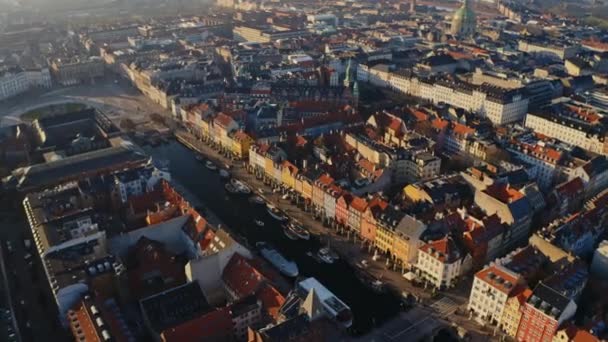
(240, 186)
(256, 200)
(200, 158)
(210, 165)
(224, 174)
(299, 231)
(290, 234)
(324, 255)
(230, 188)
(287, 267)
(259, 223)
(276, 213)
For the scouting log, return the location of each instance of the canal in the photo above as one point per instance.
(369, 308)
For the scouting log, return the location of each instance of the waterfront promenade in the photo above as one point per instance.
(442, 306)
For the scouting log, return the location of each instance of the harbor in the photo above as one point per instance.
(246, 217)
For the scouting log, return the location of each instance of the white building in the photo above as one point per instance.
(574, 124)
(13, 82)
(440, 263)
(492, 287)
(499, 105)
(599, 265)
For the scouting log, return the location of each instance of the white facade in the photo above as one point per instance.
(436, 272)
(475, 100)
(12, 84)
(567, 133)
(17, 81)
(490, 291)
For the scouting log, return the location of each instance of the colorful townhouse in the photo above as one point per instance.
(221, 127)
(240, 144)
(330, 199)
(289, 173)
(386, 224)
(355, 213)
(342, 208)
(318, 194)
(407, 238)
(369, 218)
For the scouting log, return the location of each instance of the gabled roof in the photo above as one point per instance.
(271, 299)
(240, 277)
(359, 204)
(445, 250)
(213, 326)
(223, 120)
(499, 278)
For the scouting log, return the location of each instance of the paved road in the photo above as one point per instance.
(34, 304)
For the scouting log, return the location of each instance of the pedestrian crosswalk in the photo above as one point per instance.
(444, 306)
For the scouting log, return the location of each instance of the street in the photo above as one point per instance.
(33, 302)
(114, 96)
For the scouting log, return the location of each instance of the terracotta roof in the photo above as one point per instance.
(419, 115)
(223, 120)
(213, 326)
(358, 204)
(271, 299)
(499, 278)
(439, 124)
(240, 277)
(325, 179)
(503, 193)
(462, 129)
(444, 250)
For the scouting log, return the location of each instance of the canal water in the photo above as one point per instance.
(369, 308)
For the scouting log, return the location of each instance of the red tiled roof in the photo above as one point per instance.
(498, 278)
(419, 115)
(503, 193)
(462, 129)
(213, 326)
(292, 168)
(242, 278)
(439, 124)
(358, 204)
(571, 188)
(325, 179)
(223, 120)
(444, 250)
(271, 299)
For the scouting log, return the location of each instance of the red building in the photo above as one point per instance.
(543, 313)
(368, 221)
(342, 206)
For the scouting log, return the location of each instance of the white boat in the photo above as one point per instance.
(259, 223)
(224, 174)
(209, 164)
(325, 256)
(333, 307)
(240, 186)
(288, 268)
(299, 231)
(200, 158)
(276, 214)
(290, 234)
(256, 200)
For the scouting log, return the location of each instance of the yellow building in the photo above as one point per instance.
(269, 166)
(513, 311)
(384, 239)
(401, 248)
(414, 193)
(241, 142)
(289, 174)
(306, 189)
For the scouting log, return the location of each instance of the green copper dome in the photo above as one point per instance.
(464, 21)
